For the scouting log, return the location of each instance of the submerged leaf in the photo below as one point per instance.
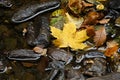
(69, 37)
(100, 36)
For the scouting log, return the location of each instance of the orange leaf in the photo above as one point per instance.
(112, 47)
(100, 36)
(111, 51)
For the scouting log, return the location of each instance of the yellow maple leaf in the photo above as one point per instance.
(69, 37)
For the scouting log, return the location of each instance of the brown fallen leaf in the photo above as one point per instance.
(100, 36)
(90, 31)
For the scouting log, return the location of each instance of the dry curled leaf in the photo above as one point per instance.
(100, 36)
(69, 37)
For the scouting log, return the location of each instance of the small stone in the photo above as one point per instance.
(112, 76)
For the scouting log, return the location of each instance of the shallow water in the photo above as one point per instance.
(12, 38)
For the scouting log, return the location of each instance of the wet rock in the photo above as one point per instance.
(43, 37)
(6, 3)
(114, 9)
(31, 33)
(30, 11)
(112, 76)
(72, 74)
(3, 64)
(38, 32)
(94, 67)
(57, 70)
(60, 58)
(56, 65)
(60, 54)
(113, 14)
(89, 54)
(23, 55)
(93, 63)
(3, 68)
(114, 4)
